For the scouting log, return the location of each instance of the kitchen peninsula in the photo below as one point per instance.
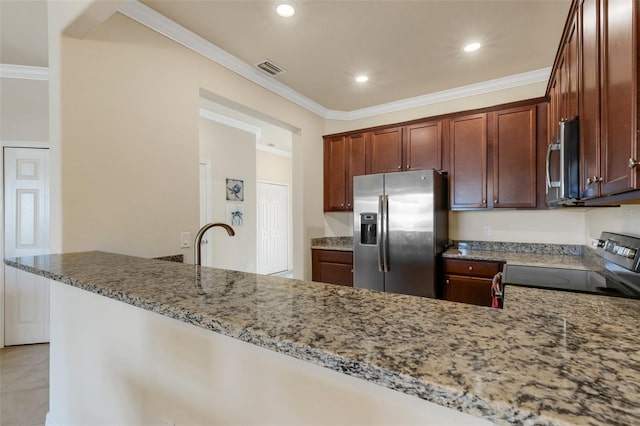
(553, 359)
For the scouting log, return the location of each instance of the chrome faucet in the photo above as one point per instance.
(200, 235)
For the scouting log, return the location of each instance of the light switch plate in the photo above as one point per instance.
(486, 231)
(185, 239)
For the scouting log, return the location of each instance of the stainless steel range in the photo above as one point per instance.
(620, 277)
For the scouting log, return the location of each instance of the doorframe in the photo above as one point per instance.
(289, 222)
(208, 200)
(14, 144)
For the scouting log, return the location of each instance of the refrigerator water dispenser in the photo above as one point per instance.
(368, 228)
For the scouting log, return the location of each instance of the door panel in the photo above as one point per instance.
(468, 152)
(384, 151)
(411, 238)
(367, 190)
(273, 228)
(26, 212)
(423, 146)
(619, 96)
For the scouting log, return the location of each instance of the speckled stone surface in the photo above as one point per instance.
(333, 243)
(553, 358)
(529, 259)
(179, 258)
(533, 248)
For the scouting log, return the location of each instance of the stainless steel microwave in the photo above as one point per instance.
(563, 166)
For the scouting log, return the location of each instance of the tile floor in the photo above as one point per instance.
(24, 385)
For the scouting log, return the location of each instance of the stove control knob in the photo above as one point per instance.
(597, 242)
(632, 253)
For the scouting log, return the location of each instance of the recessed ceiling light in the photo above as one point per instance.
(285, 10)
(362, 79)
(472, 46)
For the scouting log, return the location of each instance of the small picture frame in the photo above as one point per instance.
(235, 190)
(235, 214)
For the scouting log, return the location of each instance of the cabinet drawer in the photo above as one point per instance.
(334, 256)
(476, 268)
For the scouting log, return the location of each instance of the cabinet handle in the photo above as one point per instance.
(408, 166)
(633, 163)
(471, 268)
(342, 205)
(447, 281)
(495, 201)
(594, 179)
(400, 167)
(484, 201)
(349, 205)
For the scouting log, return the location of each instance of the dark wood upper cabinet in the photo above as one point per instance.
(513, 142)
(335, 173)
(468, 156)
(344, 158)
(588, 13)
(355, 163)
(384, 151)
(423, 146)
(619, 96)
(572, 72)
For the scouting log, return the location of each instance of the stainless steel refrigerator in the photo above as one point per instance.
(400, 229)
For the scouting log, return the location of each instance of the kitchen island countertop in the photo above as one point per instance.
(538, 361)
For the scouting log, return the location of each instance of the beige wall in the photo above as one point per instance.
(24, 110)
(623, 219)
(130, 104)
(231, 154)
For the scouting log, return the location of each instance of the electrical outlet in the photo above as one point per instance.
(486, 231)
(185, 239)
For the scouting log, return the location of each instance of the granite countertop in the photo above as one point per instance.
(547, 358)
(527, 259)
(332, 243)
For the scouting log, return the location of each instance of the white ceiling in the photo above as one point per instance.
(23, 32)
(408, 48)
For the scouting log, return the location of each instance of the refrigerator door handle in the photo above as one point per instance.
(380, 239)
(385, 232)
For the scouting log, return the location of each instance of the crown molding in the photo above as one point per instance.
(24, 72)
(231, 122)
(165, 26)
(516, 80)
(174, 31)
(273, 150)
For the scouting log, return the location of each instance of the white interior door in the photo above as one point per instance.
(204, 209)
(273, 228)
(26, 225)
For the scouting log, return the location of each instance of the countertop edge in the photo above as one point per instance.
(463, 401)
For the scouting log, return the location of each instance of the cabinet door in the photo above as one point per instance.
(553, 112)
(384, 151)
(572, 72)
(476, 291)
(355, 164)
(590, 98)
(332, 267)
(335, 174)
(513, 139)
(619, 96)
(423, 146)
(468, 153)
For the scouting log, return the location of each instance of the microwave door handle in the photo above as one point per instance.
(548, 165)
(562, 146)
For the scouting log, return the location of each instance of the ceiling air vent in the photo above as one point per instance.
(271, 68)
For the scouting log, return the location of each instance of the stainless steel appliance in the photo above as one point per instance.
(400, 224)
(562, 166)
(621, 276)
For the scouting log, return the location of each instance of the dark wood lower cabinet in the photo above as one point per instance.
(332, 266)
(469, 281)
